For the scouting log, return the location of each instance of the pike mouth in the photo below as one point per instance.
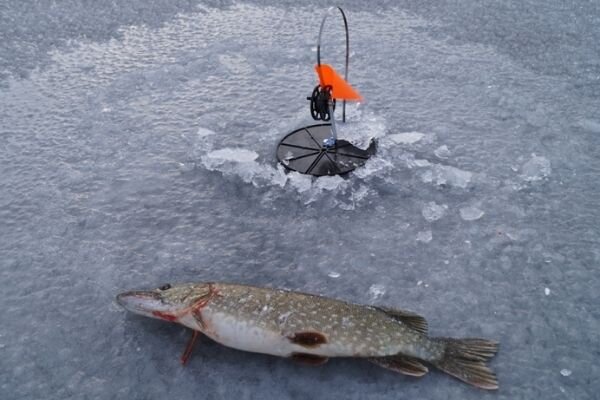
(146, 303)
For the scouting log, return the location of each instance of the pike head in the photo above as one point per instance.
(168, 302)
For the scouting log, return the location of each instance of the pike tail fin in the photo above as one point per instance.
(465, 359)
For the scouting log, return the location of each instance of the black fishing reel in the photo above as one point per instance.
(319, 103)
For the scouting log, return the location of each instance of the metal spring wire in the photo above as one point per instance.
(347, 51)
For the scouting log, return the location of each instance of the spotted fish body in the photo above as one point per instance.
(312, 328)
(284, 323)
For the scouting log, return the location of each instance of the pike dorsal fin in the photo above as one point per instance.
(403, 364)
(414, 321)
(309, 359)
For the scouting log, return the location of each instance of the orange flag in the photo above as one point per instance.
(341, 89)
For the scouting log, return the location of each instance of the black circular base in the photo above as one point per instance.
(303, 151)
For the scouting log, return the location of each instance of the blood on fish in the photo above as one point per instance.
(165, 316)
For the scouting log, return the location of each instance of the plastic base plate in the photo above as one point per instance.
(303, 150)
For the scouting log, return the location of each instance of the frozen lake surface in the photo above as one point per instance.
(137, 147)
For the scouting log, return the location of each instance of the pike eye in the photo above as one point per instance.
(166, 286)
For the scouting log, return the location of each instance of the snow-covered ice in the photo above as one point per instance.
(137, 146)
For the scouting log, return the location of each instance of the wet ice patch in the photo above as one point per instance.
(432, 211)
(566, 372)
(333, 274)
(470, 213)
(536, 169)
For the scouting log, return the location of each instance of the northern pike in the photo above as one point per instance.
(312, 328)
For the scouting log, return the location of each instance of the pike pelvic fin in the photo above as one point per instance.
(414, 321)
(189, 348)
(309, 359)
(465, 359)
(403, 364)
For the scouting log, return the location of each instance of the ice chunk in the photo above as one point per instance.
(362, 126)
(547, 291)
(412, 162)
(203, 132)
(442, 152)
(376, 291)
(302, 183)
(566, 372)
(424, 236)
(330, 183)
(233, 154)
(471, 213)
(375, 165)
(360, 193)
(242, 163)
(537, 168)
(447, 175)
(432, 211)
(406, 137)
(327, 184)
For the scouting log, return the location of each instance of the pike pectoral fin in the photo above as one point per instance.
(403, 364)
(414, 321)
(189, 348)
(309, 359)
